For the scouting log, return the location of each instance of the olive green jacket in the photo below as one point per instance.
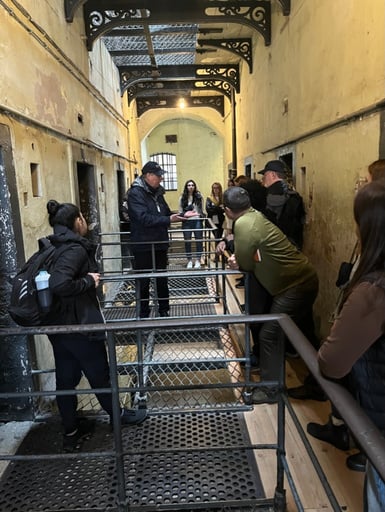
(262, 248)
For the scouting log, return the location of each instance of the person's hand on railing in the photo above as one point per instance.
(221, 247)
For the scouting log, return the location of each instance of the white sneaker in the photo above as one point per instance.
(197, 264)
(189, 264)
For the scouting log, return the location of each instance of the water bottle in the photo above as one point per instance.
(44, 293)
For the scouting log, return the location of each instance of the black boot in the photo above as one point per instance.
(338, 436)
(356, 462)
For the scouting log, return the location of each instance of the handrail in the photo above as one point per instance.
(368, 436)
(366, 433)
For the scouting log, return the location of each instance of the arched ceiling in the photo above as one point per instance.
(168, 49)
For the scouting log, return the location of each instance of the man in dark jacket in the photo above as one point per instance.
(150, 218)
(284, 206)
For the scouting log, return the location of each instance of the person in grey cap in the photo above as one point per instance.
(150, 218)
(286, 273)
(284, 206)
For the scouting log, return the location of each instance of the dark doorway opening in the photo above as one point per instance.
(122, 186)
(124, 222)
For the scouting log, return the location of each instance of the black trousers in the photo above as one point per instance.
(258, 302)
(76, 354)
(145, 261)
(297, 302)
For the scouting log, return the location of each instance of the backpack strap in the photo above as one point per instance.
(44, 243)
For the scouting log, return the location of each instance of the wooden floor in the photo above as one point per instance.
(347, 485)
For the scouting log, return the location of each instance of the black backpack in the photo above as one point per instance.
(24, 305)
(292, 218)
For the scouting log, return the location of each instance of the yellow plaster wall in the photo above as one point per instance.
(314, 92)
(199, 153)
(326, 60)
(63, 105)
(328, 186)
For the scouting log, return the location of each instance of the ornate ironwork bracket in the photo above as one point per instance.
(241, 47)
(286, 6)
(144, 104)
(129, 76)
(100, 19)
(177, 88)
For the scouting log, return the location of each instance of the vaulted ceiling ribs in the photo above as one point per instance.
(161, 49)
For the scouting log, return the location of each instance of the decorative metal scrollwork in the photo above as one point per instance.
(100, 22)
(154, 87)
(144, 104)
(255, 14)
(129, 76)
(132, 75)
(241, 47)
(230, 73)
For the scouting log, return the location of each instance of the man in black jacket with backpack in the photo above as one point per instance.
(284, 206)
(150, 218)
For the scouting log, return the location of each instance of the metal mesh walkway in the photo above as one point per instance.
(193, 450)
(172, 462)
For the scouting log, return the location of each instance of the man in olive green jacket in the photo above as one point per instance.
(262, 249)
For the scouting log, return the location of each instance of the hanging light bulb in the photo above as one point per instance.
(182, 103)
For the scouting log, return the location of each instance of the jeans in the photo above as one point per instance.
(297, 302)
(76, 354)
(143, 261)
(190, 227)
(374, 490)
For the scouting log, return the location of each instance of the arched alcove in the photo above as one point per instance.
(199, 148)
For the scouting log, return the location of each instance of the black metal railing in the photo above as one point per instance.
(366, 434)
(150, 359)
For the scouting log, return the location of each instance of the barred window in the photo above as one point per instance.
(168, 162)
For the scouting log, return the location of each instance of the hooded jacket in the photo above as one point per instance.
(149, 214)
(74, 294)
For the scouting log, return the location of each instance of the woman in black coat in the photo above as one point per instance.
(73, 282)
